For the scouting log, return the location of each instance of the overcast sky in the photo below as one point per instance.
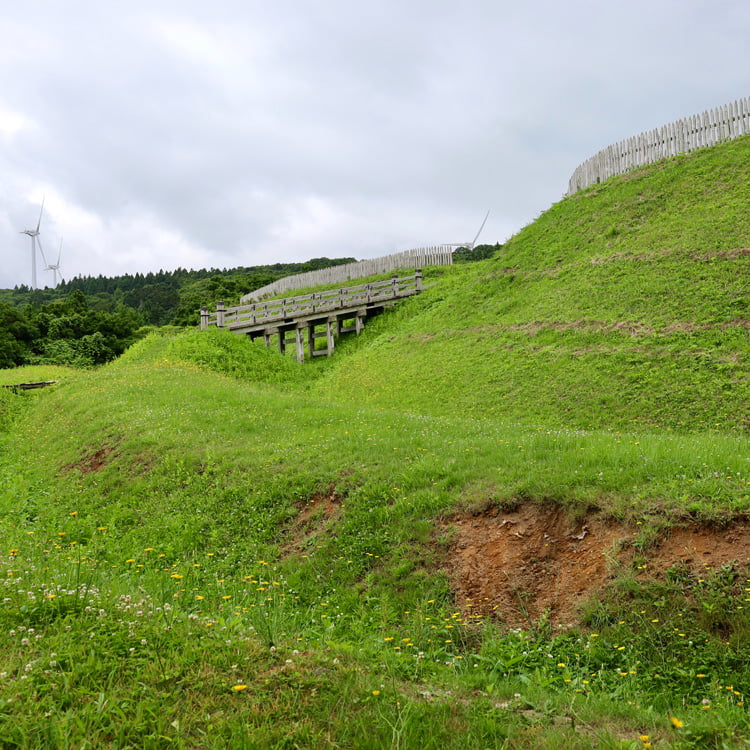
(214, 135)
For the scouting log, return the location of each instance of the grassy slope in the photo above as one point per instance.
(623, 306)
(164, 530)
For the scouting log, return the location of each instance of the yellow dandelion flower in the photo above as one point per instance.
(239, 688)
(676, 723)
(376, 692)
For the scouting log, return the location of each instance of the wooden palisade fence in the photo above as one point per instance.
(680, 137)
(338, 311)
(440, 255)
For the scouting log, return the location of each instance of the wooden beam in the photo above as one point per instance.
(30, 386)
(300, 342)
(311, 339)
(330, 345)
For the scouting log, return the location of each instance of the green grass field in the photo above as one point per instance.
(207, 545)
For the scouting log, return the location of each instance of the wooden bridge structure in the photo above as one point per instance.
(309, 317)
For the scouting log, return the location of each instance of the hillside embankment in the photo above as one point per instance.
(512, 513)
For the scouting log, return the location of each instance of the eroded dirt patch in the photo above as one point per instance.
(313, 518)
(538, 562)
(94, 460)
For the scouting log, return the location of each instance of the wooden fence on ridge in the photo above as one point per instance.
(680, 137)
(440, 255)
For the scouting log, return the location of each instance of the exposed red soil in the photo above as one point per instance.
(538, 562)
(93, 461)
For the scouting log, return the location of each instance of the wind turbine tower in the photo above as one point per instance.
(34, 234)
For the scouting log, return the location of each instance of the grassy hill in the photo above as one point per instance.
(513, 513)
(623, 306)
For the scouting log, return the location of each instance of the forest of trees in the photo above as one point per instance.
(67, 331)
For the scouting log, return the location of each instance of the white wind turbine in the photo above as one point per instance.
(34, 234)
(470, 245)
(54, 267)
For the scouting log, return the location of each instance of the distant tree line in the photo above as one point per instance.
(90, 320)
(478, 252)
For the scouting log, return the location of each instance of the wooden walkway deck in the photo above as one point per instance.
(337, 311)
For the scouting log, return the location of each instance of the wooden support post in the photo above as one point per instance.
(220, 314)
(267, 339)
(299, 341)
(359, 323)
(418, 279)
(282, 341)
(329, 337)
(311, 340)
(394, 280)
(204, 318)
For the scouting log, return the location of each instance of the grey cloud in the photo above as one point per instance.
(238, 133)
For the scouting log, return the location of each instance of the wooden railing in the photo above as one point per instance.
(292, 308)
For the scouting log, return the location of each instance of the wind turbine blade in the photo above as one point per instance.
(38, 224)
(59, 253)
(39, 242)
(476, 236)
